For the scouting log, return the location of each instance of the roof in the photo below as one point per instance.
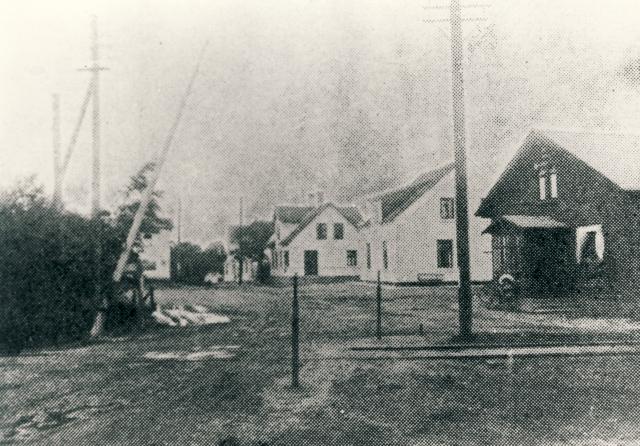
(292, 214)
(350, 213)
(395, 201)
(526, 222)
(614, 155)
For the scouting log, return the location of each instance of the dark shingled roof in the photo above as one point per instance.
(292, 214)
(350, 213)
(394, 202)
(614, 155)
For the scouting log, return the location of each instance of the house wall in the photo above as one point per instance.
(232, 269)
(585, 197)
(332, 254)
(375, 234)
(156, 256)
(412, 242)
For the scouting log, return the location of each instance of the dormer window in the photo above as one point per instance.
(548, 183)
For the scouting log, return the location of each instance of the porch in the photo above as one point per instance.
(538, 252)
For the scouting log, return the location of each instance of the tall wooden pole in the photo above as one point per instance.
(57, 174)
(295, 336)
(465, 312)
(95, 182)
(378, 308)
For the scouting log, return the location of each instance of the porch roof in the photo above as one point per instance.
(525, 222)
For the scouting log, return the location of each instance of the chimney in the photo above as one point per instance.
(320, 197)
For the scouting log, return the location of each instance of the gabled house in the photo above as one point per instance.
(564, 213)
(410, 233)
(156, 255)
(315, 241)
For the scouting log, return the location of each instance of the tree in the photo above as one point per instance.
(252, 241)
(153, 222)
(190, 264)
(47, 273)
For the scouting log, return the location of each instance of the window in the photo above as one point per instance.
(338, 231)
(548, 183)
(385, 256)
(148, 265)
(446, 208)
(589, 254)
(368, 255)
(543, 187)
(445, 253)
(286, 259)
(553, 182)
(321, 231)
(352, 258)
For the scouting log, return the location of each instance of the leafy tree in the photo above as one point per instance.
(252, 241)
(153, 222)
(253, 238)
(190, 264)
(47, 273)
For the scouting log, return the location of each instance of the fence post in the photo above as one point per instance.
(379, 309)
(295, 336)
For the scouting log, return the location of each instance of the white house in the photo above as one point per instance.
(410, 233)
(316, 241)
(156, 256)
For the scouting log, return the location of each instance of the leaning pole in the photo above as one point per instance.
(98, 324)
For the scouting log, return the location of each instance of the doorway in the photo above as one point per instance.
(311, 263)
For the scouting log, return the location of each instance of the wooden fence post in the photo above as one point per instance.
(379, 309)
(295, 336)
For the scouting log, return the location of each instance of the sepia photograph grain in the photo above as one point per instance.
(320, 222)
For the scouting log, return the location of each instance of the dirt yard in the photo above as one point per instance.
(210, 383)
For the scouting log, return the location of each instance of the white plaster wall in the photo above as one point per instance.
(412, 241)
(157, 250)
(332, 254)
(375, 234)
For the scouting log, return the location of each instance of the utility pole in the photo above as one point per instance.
(179, 220)
(465, 298)
(57, 174)
(95, 69)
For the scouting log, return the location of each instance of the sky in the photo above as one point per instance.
(285, 85)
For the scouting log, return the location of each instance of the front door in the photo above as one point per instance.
(311, 263)
(549, 258)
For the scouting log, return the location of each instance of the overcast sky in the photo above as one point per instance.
(271, 95)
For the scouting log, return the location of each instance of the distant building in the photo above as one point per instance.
(232, 262)
(156, 256)
(318, 241)
(410, 233)
(565, 211)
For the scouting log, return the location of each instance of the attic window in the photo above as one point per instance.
(446, 208)
(548, 183)
(321, 231)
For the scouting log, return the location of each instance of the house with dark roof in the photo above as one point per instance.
(564, 213)
(410, 231)
(316, 241)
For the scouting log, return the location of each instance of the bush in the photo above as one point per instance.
(190, 264)
(47, 272)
